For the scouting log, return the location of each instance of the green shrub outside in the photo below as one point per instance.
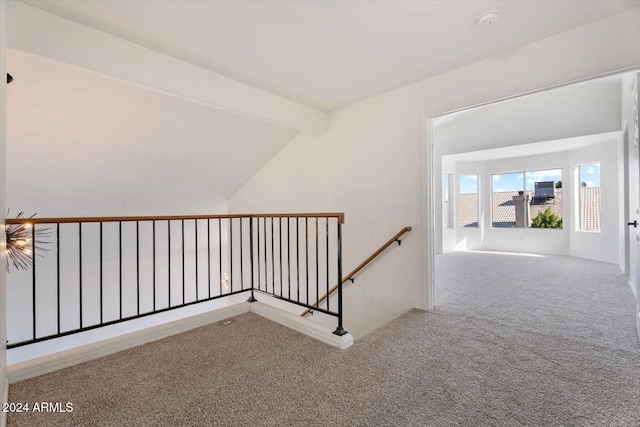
(546, 219)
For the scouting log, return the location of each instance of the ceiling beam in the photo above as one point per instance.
(45, 34)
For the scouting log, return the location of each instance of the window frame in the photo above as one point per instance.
(448, 220)
(524, 190)
(477, 199)
(580, 196)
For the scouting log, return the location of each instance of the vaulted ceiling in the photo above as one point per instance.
(78, 141)
(529, 125)
(93, 139)
(329, 54)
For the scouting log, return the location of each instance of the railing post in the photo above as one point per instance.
(251, 298)
(339, 330)
(80, 271)
(33, 267)
(58, 273)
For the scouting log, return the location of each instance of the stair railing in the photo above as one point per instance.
(99, 271)
(349, 277)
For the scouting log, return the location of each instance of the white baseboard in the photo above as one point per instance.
(298, 323)
(56, 361)
(53, 362)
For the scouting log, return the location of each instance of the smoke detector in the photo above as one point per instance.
(488, 18)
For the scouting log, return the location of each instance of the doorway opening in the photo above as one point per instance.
(557, 130)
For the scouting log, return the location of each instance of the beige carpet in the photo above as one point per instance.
(515, 341)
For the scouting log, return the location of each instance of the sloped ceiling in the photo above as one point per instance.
(528, 125)
(329, 54)
(79, 143)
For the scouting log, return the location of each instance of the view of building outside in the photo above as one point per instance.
(506, 186)
(503, 188)
(469, 206)
(589, 199)
(549, 196)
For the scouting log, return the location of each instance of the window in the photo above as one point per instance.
(545, 190)
(504, 187)
(589, 196)
(531, 199)
(468, 200)
(446, 204)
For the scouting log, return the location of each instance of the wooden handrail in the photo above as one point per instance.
(349, 276)
(66, 220)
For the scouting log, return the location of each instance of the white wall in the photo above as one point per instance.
(449, 234)
(331, 173)
(470, 237)
(608, 244)
(629, 122)
(371, 162)
(3, 135)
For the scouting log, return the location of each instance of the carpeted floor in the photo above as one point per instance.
(514, 341)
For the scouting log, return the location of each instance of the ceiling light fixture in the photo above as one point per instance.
(488, 18)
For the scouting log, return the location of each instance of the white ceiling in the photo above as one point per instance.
(529, 124)
(77, 140)
(80, 143)
(536, 148)
(329, 54)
